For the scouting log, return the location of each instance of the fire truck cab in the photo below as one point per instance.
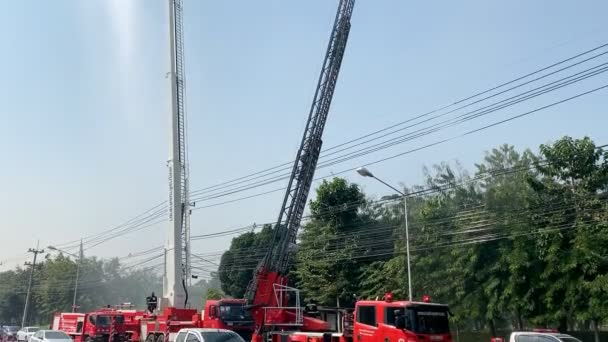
(400, 321)
(228, 314)
(105, 325)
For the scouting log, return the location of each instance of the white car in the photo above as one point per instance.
(528, 336)
(50, 336)
(207, 335)
(25, 333)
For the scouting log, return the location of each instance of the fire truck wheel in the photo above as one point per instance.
(160, 338)
(151, 338)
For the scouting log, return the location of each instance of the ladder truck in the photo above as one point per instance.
(275, 307)
(268, 294)
(174, 313)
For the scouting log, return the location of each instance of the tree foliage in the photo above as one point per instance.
(237, 263)
(520, 242)
(101, 283)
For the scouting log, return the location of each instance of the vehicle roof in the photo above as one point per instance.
(556, 334)
(207, 330)
(400, 303)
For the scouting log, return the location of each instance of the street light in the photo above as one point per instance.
(367, 173)
(79, 257)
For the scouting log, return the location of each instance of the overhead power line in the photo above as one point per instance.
(439, 142)
(144, 220)
(455, 103)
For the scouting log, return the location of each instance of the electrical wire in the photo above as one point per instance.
(422, 115)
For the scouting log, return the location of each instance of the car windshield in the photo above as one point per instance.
(428, 320)
(12, 328)
(234, 312)
(103, 321)
(221, 337)
(55, 335)
(569, 339)
(33, 329)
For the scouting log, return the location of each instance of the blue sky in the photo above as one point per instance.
(84, 133)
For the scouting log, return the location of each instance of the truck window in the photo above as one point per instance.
(366, 315)
(234, 312)
(103, 321)
(429, 320)
(181, 337)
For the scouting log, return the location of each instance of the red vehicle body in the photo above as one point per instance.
(132, 319)
(375, 321)
(164, 327)
(228, 314)
(105, 325)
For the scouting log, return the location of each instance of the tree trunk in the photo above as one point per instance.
(492, 328)
(563, 326)
(596, 330)
(520, 322)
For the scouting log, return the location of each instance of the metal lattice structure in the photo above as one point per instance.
(292, 208)
(177, 250)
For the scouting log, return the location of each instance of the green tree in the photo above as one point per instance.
(213, 293)
(240, 260)
(332, 244)
(574, 173)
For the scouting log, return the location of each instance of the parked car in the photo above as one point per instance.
(529, 336)
(207, 335)
(50, 336)
(9, 333)
(25, 333)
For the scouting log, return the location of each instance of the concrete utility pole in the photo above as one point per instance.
(35, 251)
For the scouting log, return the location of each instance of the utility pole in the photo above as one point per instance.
(79, 262)
(35, 251)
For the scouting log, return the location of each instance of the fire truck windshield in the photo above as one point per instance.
(429, 321)
(105, 321)
(424, 319)
(234, 312)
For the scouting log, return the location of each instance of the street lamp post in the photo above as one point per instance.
(366, 173)
(79, 257)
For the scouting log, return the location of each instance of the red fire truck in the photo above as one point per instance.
(228, 314)
(104, 325)
(395, 321)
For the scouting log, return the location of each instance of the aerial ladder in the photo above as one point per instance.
(268, 294)
(177, 247)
